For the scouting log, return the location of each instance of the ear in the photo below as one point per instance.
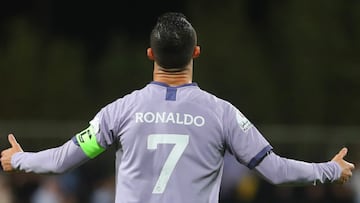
(150, 54)
(196, 52)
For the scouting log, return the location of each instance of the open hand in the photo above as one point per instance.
(346, 167)
(7, 154)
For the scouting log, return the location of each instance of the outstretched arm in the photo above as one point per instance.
(55, 160)
(279, 170)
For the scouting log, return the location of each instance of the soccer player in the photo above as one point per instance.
(171, 136)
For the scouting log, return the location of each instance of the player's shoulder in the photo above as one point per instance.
(217, 104)
(212, 98)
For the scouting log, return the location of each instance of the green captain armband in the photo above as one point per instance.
(88, 143)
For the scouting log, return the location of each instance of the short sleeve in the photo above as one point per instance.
(242, 138)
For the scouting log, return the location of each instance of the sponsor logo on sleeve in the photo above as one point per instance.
(244, 123)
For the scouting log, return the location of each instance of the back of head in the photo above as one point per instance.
(173, 40)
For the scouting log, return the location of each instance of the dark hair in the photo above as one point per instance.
(173, 40)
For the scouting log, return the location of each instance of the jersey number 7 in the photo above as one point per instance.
(180, 141)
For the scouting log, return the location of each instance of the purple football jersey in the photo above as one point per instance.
(171, 142)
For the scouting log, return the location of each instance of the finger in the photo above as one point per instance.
(12, 140)
(351, 166)
(347, 173)
(348, 165)
(3, 152)
(342, 153)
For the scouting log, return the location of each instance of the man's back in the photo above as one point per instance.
(170, 142)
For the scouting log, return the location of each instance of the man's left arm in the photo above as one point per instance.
(55, 160)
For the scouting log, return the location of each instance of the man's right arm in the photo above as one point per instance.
(279, 170)
(250, 148)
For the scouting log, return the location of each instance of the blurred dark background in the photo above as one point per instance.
(292, 67)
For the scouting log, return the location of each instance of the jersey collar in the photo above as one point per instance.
(166, 85)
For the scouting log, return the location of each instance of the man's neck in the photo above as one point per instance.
(173, 78)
